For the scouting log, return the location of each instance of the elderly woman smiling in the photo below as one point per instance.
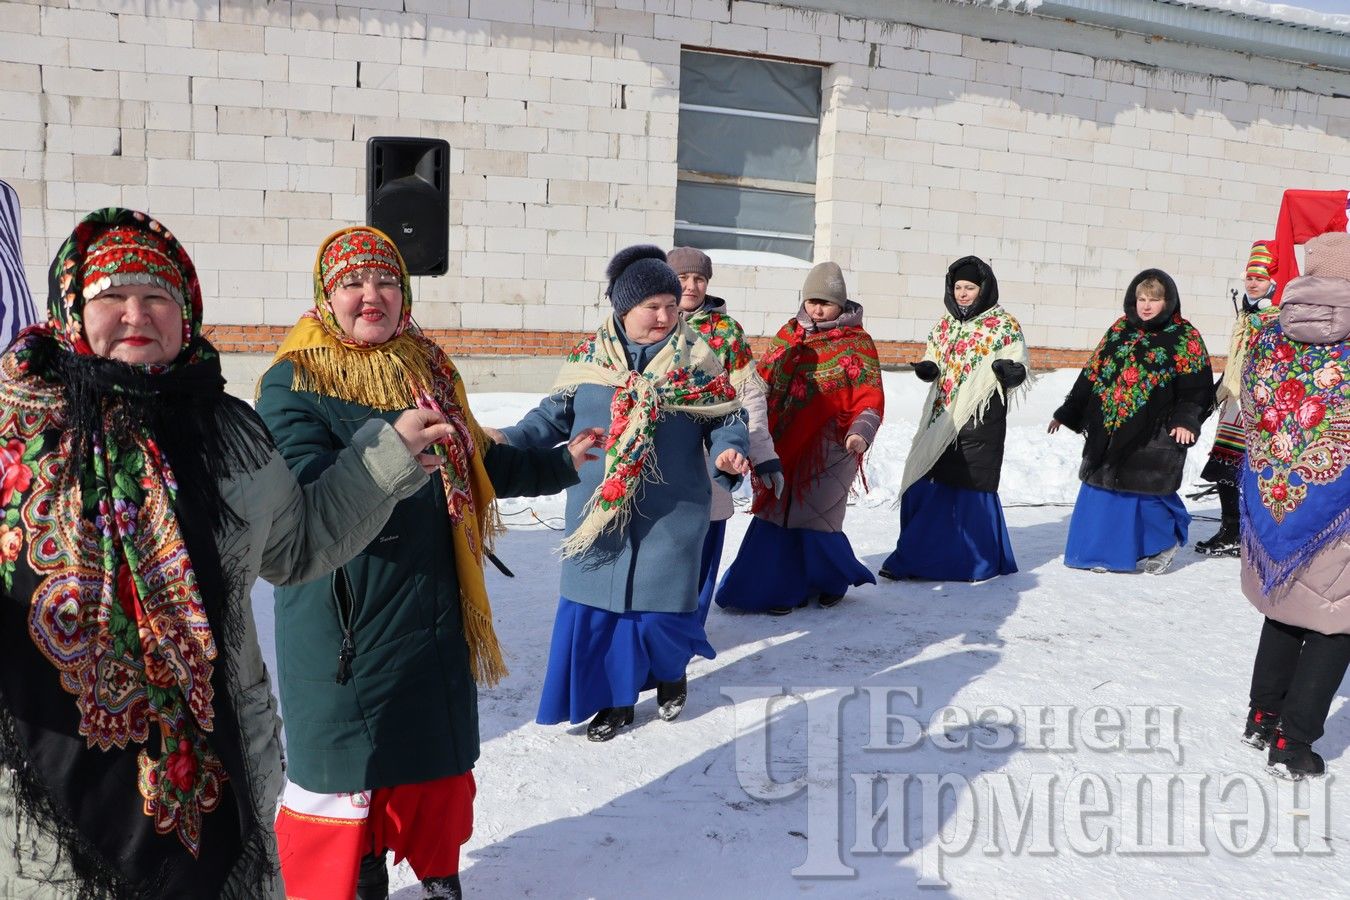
(140, 502)
(628, 618)
(406, 625)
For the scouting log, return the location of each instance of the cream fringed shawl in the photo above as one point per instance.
(965, 354)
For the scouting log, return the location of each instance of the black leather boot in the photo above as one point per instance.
(1294, 760)
(608, 721)
(372, 879)
(1260, 730)
(1224, 542)
(671, 697)
(446, 888)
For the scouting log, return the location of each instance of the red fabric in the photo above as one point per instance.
(818, 382)
(424, 823)
(1303, 216)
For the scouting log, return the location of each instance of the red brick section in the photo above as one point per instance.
(510, 342)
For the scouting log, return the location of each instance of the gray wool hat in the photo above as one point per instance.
(690, 259)
(636, 273)
(825, 281)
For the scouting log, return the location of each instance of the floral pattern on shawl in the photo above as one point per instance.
(724, 335)
(1297, 427)
(1131, 363)
(959, 347)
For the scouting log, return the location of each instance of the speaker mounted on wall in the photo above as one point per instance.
(408, 198)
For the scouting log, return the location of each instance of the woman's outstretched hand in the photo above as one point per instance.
(419, 429)
(855, 443)
(584, 446)
(1183, 436)
(733, 462)
(1053, 427)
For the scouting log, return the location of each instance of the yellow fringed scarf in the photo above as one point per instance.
(393, 376)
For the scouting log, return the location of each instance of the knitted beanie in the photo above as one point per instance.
(354, 251)
(687, 260)
(968, 272)
(636, 273)
(1261, 262)
(127, 255)
(1328, 255)
(825, 281)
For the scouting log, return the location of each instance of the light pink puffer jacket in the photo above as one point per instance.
(1314, 310)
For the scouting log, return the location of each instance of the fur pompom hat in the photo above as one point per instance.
(636, 273)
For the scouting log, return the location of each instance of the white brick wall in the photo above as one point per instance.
(243, 125)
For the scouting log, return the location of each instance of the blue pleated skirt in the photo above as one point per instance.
(951, 534)
(779, 566)
(707, 566)
(600, 659)
(1114, 529)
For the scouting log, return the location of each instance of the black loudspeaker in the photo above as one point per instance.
(408, 198)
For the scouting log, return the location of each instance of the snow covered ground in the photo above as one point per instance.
(734, 801)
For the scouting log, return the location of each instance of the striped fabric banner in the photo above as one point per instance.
(16, 304)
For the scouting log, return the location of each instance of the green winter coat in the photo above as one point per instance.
(289, 535)
(407, 711)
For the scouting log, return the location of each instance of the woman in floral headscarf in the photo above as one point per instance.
(628, 617)
(1225, 456)
(378, 666)
(825, 405)
(1295, 500)
(951, 520)
(138, 735)
(1139, 402)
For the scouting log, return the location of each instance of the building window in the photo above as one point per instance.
(747, 154)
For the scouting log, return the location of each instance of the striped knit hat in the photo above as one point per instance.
(1261, 262)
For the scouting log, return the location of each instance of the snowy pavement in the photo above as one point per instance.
(1105, 709)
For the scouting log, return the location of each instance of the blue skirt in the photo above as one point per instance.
(1114, 529)
(707, 566)
(779, 566)
(600, 659)
(951, 534)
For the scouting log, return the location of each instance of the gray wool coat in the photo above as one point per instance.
(650, 565)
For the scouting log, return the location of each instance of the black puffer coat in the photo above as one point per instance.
(1141, 456)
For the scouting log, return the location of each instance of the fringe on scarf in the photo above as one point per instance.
(1275, 573)
(383, 380)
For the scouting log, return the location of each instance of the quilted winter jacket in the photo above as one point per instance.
(292, 535)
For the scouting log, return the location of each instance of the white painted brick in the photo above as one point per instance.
(565, 14)
(263, 67)
(76, 23)
(253, 176)
(181, 61)
(236, 147)
(388, 23)
(490, 315)
(227, 92)
(154, 87)
(518, 11)
(290, 42)
(300, 97)
(337, 72)
(624, 22)
(741, 38)
(29, 48)
(184, 173)
(78, 82)
(80, 139)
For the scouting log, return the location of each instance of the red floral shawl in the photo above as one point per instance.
(818, 382)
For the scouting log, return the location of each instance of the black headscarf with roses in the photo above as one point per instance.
(117, 632)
